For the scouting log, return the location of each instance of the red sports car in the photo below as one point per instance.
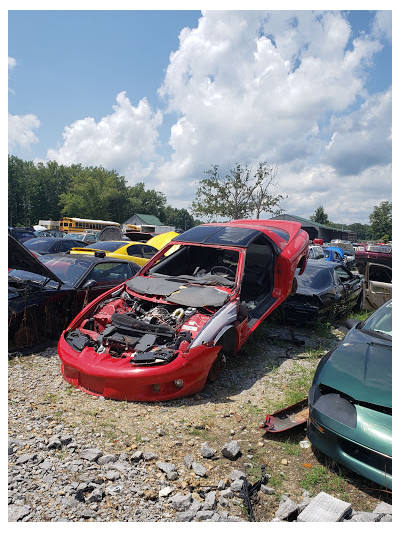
(164, 331)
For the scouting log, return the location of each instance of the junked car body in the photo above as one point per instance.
(316, 252)
(324, 291)
(374, 253)
(348, 251)
(377, 285)
(350, 400)
(46, 292)
(161, 334)
(51, 245)
(334, 254)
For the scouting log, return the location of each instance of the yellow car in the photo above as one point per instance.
(159, 241)
(138, 252)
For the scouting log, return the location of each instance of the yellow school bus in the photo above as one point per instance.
(78, 225)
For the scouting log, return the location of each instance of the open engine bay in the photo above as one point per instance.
(139, 329)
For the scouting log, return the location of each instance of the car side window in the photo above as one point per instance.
(380, 273)
(66, 245)
(110, 273)
(135, 250)
(148, 251)
(343, 275)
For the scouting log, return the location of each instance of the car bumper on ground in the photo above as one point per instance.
(118, 379)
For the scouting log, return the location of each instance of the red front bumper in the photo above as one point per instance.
(118, 379)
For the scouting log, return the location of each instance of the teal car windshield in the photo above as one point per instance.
(380, 321)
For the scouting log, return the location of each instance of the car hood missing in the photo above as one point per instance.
(20, 258)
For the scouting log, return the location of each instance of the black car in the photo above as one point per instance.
(22, 234)
(46, 292)
(49, 233)
(52, 245)
(324, 290)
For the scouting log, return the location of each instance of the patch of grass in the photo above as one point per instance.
(70, 389)
(360, 315)
(291, 448)
(315, 353)
(110, 434)
(61, 454)
(297, 385)
(323, 329)
(50, 397)
(276, 480)
(91, 412)
(255, 409)
(320, 478)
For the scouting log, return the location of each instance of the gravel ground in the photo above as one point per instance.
(76, 457)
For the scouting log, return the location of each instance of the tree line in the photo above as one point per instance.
(51, 191)
(379, 229)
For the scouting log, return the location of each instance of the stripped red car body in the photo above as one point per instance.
(163, 332)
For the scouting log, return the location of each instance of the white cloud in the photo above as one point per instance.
(20, 131)
(125, 140)
(247, 86)
(363, 138)
(12, 63)
(383, 24)
(253, 86)
(345, 199)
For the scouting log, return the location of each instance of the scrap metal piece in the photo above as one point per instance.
(287, 418)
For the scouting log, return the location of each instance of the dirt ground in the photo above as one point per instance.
(270, 372)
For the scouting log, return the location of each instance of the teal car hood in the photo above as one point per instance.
(361, 367)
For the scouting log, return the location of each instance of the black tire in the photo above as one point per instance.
(217, 368)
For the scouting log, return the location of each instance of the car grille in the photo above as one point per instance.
(370, 457)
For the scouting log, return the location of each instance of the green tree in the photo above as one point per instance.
(21, 183)
(238, 194)
(363, 230)
(179, 218)
(150, 202)
(381, 221)
(96, 193)
(320, 216)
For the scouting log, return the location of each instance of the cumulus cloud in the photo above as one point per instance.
(345, 199)
(382, 26)
(126, 139)
(362, 139)
(253, 86)
(248, 86)
(12, 63)
(20, 131)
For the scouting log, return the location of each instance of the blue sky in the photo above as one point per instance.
(161, 96)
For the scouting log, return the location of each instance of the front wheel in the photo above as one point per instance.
(217, 368)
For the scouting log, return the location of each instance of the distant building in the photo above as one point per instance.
(143, 220)
(320, 231)
(146, 224)
(49, 224)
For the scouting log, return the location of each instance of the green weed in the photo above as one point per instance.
(291, 448)
(320, 478)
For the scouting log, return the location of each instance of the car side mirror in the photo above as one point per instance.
(89, 284)
(352, 322)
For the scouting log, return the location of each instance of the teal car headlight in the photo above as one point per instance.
(334, 406)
